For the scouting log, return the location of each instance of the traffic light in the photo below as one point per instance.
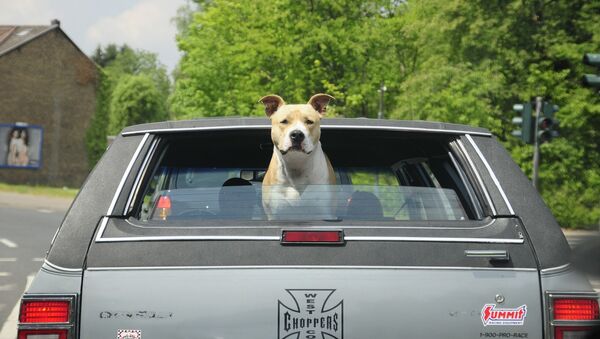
(524, 123)
(546, 123)
(592, 80)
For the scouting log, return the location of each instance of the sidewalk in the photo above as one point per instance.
(580, 233)
(30, 201)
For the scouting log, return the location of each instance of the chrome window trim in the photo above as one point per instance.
(472, 196)
(437, 268)
(489, 169)
(189, 237)
(461, 146)
(437, 239)
(138, 178)
(555, 270)
(325, 126)
(370, 227)
(278, 238)
(136, 154)
(103, 223)
(60, 268)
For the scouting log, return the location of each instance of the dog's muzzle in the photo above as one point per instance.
(297, 137)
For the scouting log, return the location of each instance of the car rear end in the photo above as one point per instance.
(436, 234)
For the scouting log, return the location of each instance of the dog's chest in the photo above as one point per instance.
(301, 171)
(299, 202)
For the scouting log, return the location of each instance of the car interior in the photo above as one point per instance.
(379, 176)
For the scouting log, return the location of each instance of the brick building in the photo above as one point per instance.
(48, 89)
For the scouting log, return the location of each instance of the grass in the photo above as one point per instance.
(64, 192)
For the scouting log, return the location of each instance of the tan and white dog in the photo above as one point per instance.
(299, 173)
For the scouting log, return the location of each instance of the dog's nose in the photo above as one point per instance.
(296, 136)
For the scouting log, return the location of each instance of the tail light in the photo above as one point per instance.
(324, 237)
(572, 315)
(163, 207)
(47, 317)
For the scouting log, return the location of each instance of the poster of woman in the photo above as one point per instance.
(22, 147)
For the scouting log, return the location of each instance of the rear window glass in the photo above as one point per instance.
(379, 177)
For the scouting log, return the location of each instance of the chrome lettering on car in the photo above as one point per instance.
(135, 315)
(311, 316)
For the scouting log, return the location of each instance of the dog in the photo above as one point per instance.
(298, 162)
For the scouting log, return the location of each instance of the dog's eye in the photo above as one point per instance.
(284, 121)
(309, 122)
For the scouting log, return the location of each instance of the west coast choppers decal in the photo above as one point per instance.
(312, 316)
(129, 334)
(490, 315)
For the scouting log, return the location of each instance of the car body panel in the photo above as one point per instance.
(72, 240)
(551, 247)
(251, 302)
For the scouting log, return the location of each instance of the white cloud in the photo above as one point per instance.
(26, 12)
(147, 25)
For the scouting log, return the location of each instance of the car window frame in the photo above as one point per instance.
(159, 143)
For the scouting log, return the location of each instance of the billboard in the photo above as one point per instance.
(20, 146)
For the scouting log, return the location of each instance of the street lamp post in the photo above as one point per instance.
(381, 91)
(536, 146)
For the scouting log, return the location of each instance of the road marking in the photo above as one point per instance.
(9, 329)
(7, 287)
(8, 243)
(37, 259)
(42, 210)
(5, 274)
(8, 259)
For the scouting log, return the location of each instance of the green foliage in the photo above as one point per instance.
(96, 134)
(124, 69)
(105, 56)
(447, 60)
(135, 99)
(132, 62)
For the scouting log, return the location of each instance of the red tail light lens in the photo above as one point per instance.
(309, 237)
(47, 316)
(43, 334)
(576, 309)
(50, 311)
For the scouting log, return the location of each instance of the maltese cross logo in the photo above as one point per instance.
(311, 316)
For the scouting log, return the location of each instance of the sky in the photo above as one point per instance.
(142, 24)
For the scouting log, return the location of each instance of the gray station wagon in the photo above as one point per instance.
(436, 234)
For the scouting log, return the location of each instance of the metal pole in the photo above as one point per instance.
(536, 145)
(381, 90)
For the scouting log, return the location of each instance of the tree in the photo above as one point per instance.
(118, 64)
(95, 137)
(478, 58)
(234, 53)
(134, 100)
(446, 60)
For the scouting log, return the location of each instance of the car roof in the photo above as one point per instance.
(326, 123)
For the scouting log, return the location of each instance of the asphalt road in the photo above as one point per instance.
(25, 236)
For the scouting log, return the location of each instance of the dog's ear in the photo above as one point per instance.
(319, 102)
(272, 103)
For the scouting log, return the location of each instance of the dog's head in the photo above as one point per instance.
(296, 128)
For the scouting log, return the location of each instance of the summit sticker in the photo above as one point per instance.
(313, 315)
(490, 315)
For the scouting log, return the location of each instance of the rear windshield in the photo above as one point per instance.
(378, 177)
